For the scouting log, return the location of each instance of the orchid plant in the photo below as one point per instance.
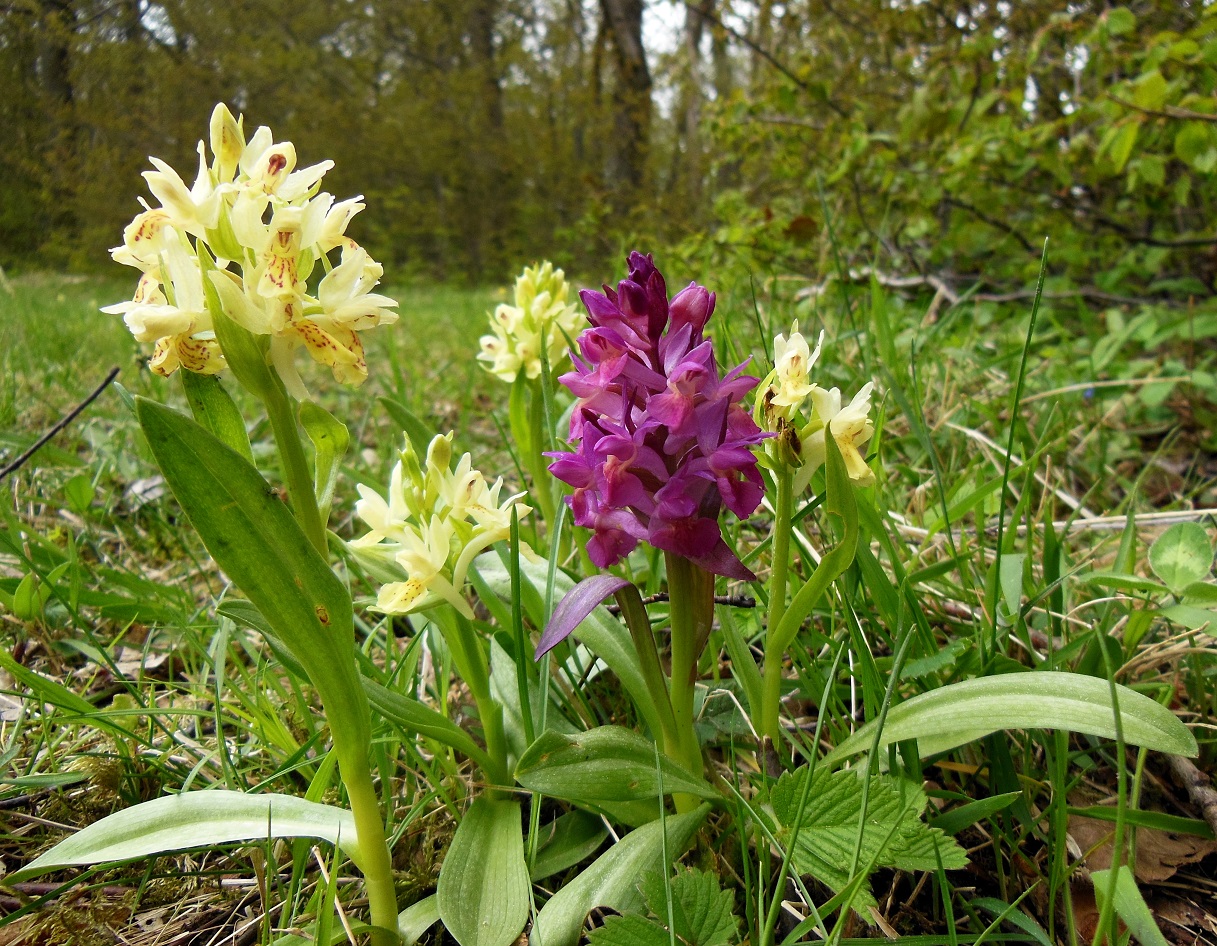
(237, 275)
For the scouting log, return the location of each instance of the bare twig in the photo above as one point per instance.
(1198, 787)
(67, 419)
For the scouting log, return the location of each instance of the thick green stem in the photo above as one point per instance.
(538, 468)
(471, 664)
(300, 490)
(377, 863)
(683, 588)
(771, 693)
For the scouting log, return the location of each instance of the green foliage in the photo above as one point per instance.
(701, 914)
(833, 831)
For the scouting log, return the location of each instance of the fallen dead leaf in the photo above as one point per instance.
(1159, 853)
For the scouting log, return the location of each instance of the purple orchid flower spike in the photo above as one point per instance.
(663, 443)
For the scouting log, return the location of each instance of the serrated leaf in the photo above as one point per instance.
(196, 819)
(629, 930)
(702, 913)
(605, 764)
(894, 835)
(1182, 555)
(612, 879)
(483, 884)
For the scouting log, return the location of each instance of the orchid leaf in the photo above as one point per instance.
(612, 880)
(574, 607)
(953, 715)
(256, 541)
(1130, 905)
(569, 839)
(330, 442)
(196, 819)
(606, 764)
(483, 884)
(213, 407)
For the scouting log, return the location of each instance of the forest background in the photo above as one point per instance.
(939, 141)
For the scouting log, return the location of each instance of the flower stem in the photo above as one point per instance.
(538, 468)
(771, 693)
(683, 589)
(377, 863)
(300, 490)
(471, 664)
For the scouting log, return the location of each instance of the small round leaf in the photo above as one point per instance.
(1181, 555)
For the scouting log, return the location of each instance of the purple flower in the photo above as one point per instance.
(662, 441)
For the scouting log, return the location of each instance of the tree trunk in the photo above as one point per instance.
(627, 167)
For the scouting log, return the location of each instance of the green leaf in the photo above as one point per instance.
(609, 763)
(419, 433)
(483, 884)
(196, 819)
(962, 712)
(1150, 90)
(612, 879)
(1120, 20)
(1129, 905)
(414, 921)
(630, 930)
(1194, 619)
(257, 542)
(214, 409)
(330, 442)
(702, 913)
(1120, 144)
(79, 491)
(1196, 145)
(894, 835)
(955, 820)
(1121, 582)
(569, 839)
(1182, 555)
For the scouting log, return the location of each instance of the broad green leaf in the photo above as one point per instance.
(1196, 145)
(603, 634)
(330, 442)
(197, 819)
(213, 408)
(609, 763)
(612, 879)
(962, 712)
(702, 913)
(1194, 619)
(1120, 20)
(1200, 594)
(483, 884)
(1150, 90)
(79, 491)
(1182, 555)
(894, 836)
(567, 840)
(414, 921)
(257, 542)
(1130, 906)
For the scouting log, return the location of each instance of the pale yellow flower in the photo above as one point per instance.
(792, 364)
(851, 428)
(435, 522)
(540, 310)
